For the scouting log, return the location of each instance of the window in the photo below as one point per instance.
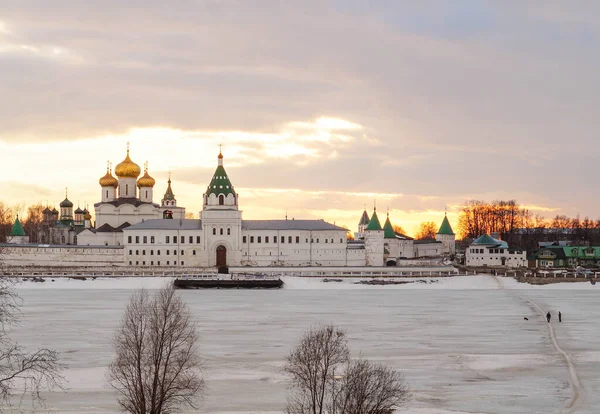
(182, 239)
(129, 252)
(191, 239)
(331, 240)
(145, 239)
(167, 262)
(174, 239)
(182, 252)
(137, 262)
(182, 263)
(128, 239)
(137, 252)
(221, 199)
(151, 252)
(501, 251)
(307, 240)
(175, 263)
(159, 263)
(144, 263)
(146, 194)
(174, 252)
(152, 239)
(127, 191)
(144, 252)
(167, 239)
(283, 239)
(221, 232)
(152, 263)
(259, 239)
(130, 260)
(194, 252)
(251, 239)
(228, 231)
(341, 240)
(158, 253)
(317, 240)
(244, 239)
(198, 239)
(297, 239)
(325, 240)
(168, 253)
(214, 231)
(137, 239)
(107, 197)
(289, 239)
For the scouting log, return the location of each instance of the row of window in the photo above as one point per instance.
(259, 239)
(282, 239)
(167, 252)
(137, 263)
(168, 239)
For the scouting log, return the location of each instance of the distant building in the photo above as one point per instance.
(488, 251)
(446, 236)
(566, 256)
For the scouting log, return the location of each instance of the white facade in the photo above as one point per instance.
(220, 238)
(490, 252)
(61, 256)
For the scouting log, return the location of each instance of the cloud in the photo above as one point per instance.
(440, 102)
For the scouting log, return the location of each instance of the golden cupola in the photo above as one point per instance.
(146, 180)
(127, 168)
(108, 180)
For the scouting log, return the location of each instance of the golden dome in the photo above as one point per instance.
(87, 216)
(127, 168)
(146, 180)
(108, 180)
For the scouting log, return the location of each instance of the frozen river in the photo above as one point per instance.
(462, 343)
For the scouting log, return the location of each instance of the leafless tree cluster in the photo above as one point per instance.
(157, 368)
(427, 231)
(325, 380)
(23, 374)
(478, 217)
(520, 227)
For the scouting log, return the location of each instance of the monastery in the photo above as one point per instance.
(132, 230)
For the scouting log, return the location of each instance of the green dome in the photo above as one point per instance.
(66, 203)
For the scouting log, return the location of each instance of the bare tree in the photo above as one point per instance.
(23, 374)
(367, 388)
(312, 365)
(157, 368)
(360, 387)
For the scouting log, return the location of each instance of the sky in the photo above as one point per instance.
(323, 107)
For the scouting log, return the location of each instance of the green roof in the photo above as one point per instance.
(486, 240)
(445, 228)
(17, 229)
(581, 251)
(374, 224)
(388, 230)
(220, 183)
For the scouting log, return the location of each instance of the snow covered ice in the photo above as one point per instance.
(461, 342)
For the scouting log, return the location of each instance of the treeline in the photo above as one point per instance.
(520, 227)
(31, 219)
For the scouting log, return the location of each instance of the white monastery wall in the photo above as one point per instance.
(64, 256)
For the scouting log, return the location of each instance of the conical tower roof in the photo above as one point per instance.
(220, 183)
(388, 229)
(17, 229)
(169, 196)
(374, 223)
(445, 228)
(364, 220)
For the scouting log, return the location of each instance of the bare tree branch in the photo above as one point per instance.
(156, 368)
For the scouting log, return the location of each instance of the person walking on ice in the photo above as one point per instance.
(559, 316)
(548, 316)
